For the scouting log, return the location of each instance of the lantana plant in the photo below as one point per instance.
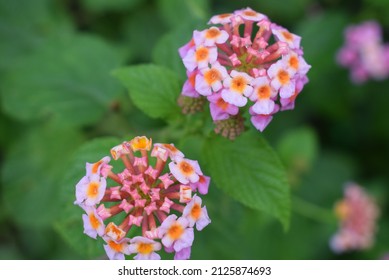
(243, 60)
(164, 204)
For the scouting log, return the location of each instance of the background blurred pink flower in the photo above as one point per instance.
(364, 52)
(357, 213)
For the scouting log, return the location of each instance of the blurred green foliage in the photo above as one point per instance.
(62, 104)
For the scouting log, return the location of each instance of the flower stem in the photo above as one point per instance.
(312, 211)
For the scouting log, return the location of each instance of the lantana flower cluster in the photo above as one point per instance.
(364, 52)
(161, 207)
(357, 213)
(243, 60)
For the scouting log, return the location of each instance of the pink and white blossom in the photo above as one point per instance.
(93, 223)
(116, 250)
(144, 248)
(210, 37)
(195, 214)
(200, 57)
(185, 170)
(282, 79)
(142, 195)
(220, 109)
(228, 61)
(210, 79)
(237, 88)
(90, 192)
(176, 233)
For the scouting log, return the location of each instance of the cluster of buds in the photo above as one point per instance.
(157, 206)
(364, 53)
(243, 59)
(357, 214)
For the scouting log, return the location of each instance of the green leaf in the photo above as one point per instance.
(177, 12)
(69, 225)
(298, 148)
(153, 89)
(31, 174)
(250, 172)
(66, 79)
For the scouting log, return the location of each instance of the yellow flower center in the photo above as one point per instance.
(238, 84)
(342, 210)
(145, 248)
(95, 223)
(287, 35)
(175, 231)
(115, 246)
(170, 148)
(250, 13)
(202, 54)
(283, 77)
(140, 143)
(93, 189)
(224, 15)
(192, 80)
(222, 105)
(263, 92)
(212, 33)
(186, 168)
(96, 166)
(294, 62)
(196, 212)
(212, 76)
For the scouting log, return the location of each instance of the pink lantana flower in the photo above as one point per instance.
(93, 223)
(364, 52)
(263, 96)
(282, 79)
(174, 153)
(220, 109)
(97, 169)
(142, 195)
(283, 35)
(221, 19)
(260, 122)
(183, 254)
(195, 214)
(357, 213)
(200, 57)
(210, 37)
(116, 250)
(176, 233)
(237, 88)
(250, 15)
(90, 191)
(202, 184)
(232, 59)
(210, 79)
(144, 248)
(185, 170)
